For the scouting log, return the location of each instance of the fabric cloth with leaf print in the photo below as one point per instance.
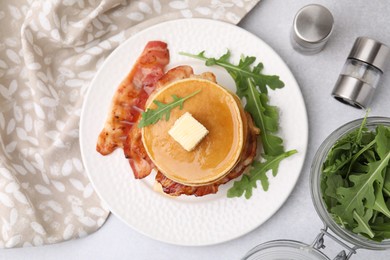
(49, 53)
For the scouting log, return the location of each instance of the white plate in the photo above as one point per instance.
(189, 220)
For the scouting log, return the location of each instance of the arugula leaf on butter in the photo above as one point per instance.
(152, 116)
(253, 85)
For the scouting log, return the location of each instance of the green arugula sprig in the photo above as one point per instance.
(257, 173)
(253, 86)
(355, 182)
(243, 71)
(152, 116)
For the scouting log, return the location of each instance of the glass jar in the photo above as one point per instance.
(315, 179)
(295, 250)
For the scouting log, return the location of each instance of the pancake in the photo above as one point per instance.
(215, 108)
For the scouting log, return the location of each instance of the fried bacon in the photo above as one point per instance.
(249, 153)
(131, 95)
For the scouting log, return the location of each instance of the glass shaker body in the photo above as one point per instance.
(362, 71)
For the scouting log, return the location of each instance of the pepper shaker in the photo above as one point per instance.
(361, 72)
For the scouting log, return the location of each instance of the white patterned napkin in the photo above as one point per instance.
(49, 52)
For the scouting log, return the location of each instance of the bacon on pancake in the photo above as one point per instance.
(249, 153)
(131, 95)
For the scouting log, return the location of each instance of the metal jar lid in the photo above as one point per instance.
(312, 27)
(370, 51)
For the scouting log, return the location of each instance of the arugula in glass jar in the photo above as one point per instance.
(355, 182)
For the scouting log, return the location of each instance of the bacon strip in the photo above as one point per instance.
(131, 95)
(134, 148)
(176, 189)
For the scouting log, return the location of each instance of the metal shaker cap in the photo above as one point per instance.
(370, 51)
(312, 27)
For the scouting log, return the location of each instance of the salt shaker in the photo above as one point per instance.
(312, 27)
(361, 72)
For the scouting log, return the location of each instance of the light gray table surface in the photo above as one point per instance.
(297, 220)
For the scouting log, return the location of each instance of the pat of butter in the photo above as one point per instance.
(188, 132)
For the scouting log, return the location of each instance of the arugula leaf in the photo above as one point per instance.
(353, 198)
(356, 156)
(363, 226)
(355, 181)
(152, 116)
(329, 186)
(333, 182)
(382, 140)
(243, 70)
(257, 173)
(265, 117)
(381, 229)
(362, 128)
(386, 185)
(380, 204)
